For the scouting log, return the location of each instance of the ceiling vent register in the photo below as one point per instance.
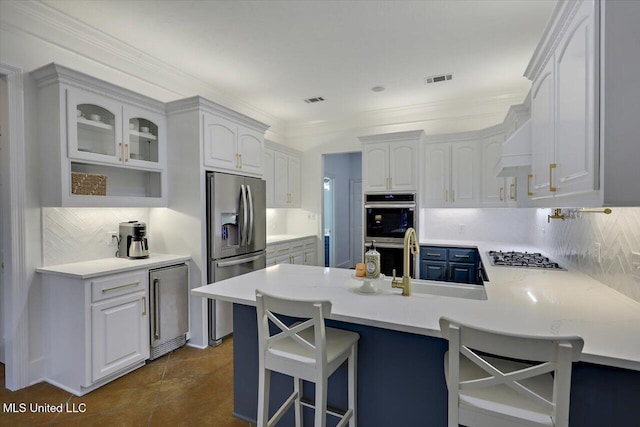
(312, 100)
(438, 78)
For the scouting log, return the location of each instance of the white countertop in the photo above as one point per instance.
(522, 301)
(281, 238)
(100, 267)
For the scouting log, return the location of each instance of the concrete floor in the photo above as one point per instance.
(188, 387)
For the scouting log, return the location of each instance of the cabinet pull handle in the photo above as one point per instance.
(453, 195)
(501, 191)
(105, 290)
(390, 183)
(126, 150)
(430, 254)
(144, 306)
(240, 155)
(446, 195)
(461, 256)
(529, 178)
(120, 146)
(156, 311)
(237, 161)
(552, 166)
(512, 193)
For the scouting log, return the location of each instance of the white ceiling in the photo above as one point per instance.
(274, 54)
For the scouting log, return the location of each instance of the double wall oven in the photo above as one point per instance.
(386, 218)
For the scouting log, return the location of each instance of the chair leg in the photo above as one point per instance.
(321, 402)
(264, 382)
(297, 387)
(353, 384)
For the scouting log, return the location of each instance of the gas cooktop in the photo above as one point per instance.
(523, 259)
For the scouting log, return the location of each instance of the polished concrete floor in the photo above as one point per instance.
(188, 387)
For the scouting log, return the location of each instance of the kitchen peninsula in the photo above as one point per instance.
(401, 376)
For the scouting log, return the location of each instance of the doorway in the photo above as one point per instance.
(342, 209)
(329, 221)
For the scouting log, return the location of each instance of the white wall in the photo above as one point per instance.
(487, 224)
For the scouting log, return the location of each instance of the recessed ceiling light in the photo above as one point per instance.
(378, 88)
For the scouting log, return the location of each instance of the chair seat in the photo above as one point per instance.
(500, 398)
(339, 343)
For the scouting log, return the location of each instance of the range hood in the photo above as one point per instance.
(516, 152)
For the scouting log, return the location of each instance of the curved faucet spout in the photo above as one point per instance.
(410, 244)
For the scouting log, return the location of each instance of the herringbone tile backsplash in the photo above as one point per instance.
(80, 234)
(572, 241)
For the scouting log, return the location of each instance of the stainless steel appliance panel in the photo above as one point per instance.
(169, 304)
(257, 209)
(220, 312)
(388, 216)
(227, 211)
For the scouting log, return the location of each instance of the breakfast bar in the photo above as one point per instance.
(400, 362)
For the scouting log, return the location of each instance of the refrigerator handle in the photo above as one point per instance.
(250, 197)
(156, 311)
(222, 264)
(243, 233)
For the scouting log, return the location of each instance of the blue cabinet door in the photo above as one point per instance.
(433, 270)
(463, 272)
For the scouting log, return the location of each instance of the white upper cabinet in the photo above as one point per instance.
(100, 145)
(231, 147)
(562, 106)
(451, 174)
(494, 191)
(584, 150)
(390, 161)
(103, 130)
(282, 173)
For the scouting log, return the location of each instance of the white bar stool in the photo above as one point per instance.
(306, 351)
(486, 391)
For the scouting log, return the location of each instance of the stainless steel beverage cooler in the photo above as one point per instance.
(169, 308)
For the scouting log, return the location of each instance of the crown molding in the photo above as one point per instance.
(198, 103)
(53, 27)
(409, 116)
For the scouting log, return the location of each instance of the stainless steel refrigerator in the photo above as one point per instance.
(236, 238)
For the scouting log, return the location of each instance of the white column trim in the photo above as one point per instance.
(16, 317)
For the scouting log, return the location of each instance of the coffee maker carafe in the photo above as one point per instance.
(132, 242)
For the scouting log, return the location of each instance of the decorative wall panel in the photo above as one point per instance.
(81, 234)
(573, 240)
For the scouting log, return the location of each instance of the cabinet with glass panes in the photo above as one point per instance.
(112, 142)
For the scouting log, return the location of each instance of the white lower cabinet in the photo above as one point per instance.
(300, 251)
(96, 329)
(120, 334)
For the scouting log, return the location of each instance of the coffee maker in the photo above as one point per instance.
(132, 242)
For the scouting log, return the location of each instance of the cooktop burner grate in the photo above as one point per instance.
(523, 259)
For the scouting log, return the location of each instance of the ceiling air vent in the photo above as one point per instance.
(438, 78)
(312, 100)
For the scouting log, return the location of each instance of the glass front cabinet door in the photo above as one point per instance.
(105, 131)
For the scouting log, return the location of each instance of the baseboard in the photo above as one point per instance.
(36, 370)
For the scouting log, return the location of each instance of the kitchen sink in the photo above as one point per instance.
(441, 289)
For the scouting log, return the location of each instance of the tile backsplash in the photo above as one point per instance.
(573, 242)
(81, 234)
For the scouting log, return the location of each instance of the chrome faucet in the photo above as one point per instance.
(410, 242)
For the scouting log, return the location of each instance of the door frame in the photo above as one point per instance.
(332, 239)
(16, 290)
(357, 248)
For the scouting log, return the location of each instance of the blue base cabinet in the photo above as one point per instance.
(459, 265)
